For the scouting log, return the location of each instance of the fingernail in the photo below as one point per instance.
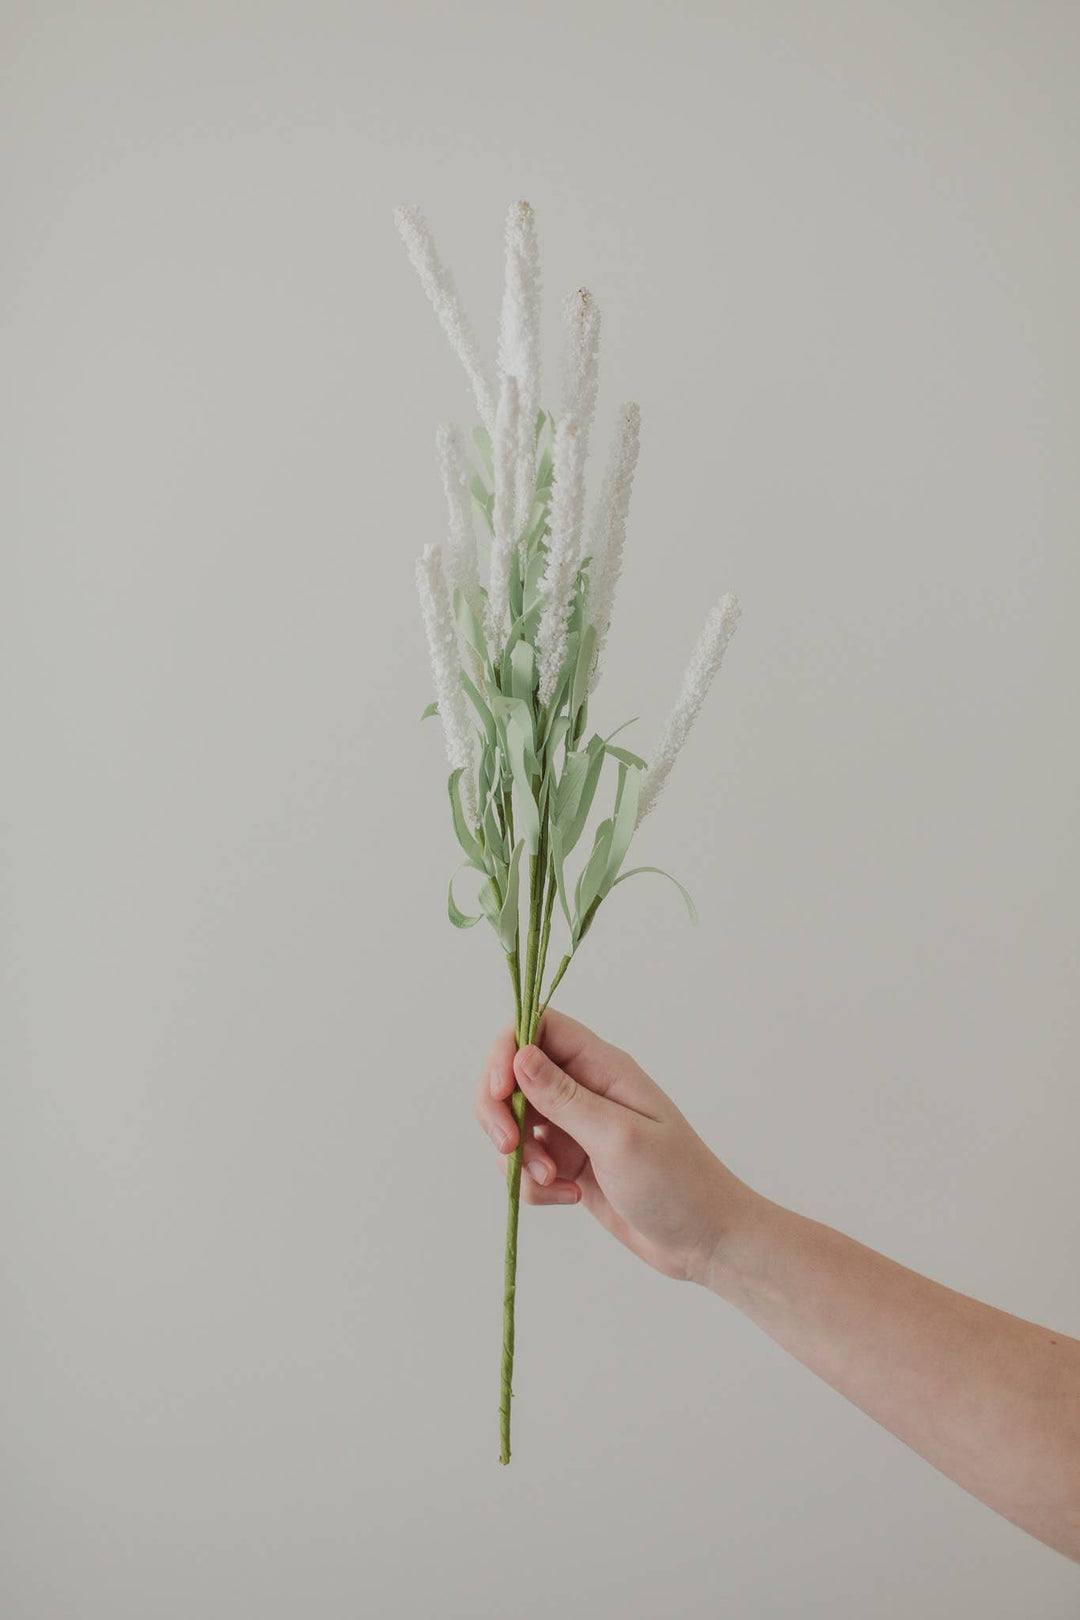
(539, 1171)
(499, 1136)
(495, 1082)
(529, 1062)
(568, 1195)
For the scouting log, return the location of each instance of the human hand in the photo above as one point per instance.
(599, 1131)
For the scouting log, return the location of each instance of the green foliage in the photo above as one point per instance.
(538, 776)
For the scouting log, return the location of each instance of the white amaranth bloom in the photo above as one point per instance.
(460, 559)
(504, 537)
(564, 553)
(438, 282)
(446, 671)
(580, 360)
(607, 534)
(519, 343)
(704, 662)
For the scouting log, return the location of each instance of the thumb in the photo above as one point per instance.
(593, 1121)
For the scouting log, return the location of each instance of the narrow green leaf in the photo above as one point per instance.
(623, 727)
(516, 584)
(432, 708)
(522, 671)
(558, 725)
(625, 821)
(588, 887)
(488, 901)
(558, 858)
(508, 916)
(524, 803)
(583, 669)
(487, 719)
(469, 625)
(633, 872)
(465, 838)
(458, 918)
(576, 817)
(626, 757)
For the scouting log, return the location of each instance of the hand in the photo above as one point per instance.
(599, 1131)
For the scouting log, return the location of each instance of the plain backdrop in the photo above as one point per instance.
(251, 1237)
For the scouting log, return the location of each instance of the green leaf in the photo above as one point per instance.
(525, 804)
(588, 887)
(625, 821)
(558, 725)
(465, 838)
(573, 810)
(633, 872)
(516, 584)
(508, 916)
(487, 719)
(488, 901)
(458, 918)
(432, 708)
(623, 727)
(625, 756)
(583, 669)
(469, 625)
(522, 671)
(534, 574)
(558, 858)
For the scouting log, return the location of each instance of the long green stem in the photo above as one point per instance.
(525, 1029)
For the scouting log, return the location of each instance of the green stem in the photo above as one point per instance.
(545, 936)
(556, 981)
(524, 1032)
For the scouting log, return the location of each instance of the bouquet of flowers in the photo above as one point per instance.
(517, 622)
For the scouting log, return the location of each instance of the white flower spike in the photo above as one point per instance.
(438, 282)
(504, 538)
(460, 558)
(608, 528)
(519, 344)
(446, 671)
(704, 662)
(564, 553)
(580, 360)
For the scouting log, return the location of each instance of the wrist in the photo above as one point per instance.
(739, 1239)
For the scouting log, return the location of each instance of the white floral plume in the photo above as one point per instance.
(519, 344)
(446, 671)
(580, 360)
(607, 534)
(564, 553)
(460, 558)
(438, 282)
(504, 537)
(704, 662)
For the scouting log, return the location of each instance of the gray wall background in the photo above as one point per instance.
(251, 1238)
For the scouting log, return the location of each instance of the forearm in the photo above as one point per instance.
(991, 1400)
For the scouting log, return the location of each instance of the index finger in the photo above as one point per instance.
(499, 1068)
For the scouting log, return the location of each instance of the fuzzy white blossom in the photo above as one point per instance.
(438, 282)
(504, 536)
(564, 553)
(460, 558)
(580, 360)
(519, 344)
(446, 671)
(704, 662)
(607, 534)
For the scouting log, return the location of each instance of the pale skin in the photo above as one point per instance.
(991, 1400)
